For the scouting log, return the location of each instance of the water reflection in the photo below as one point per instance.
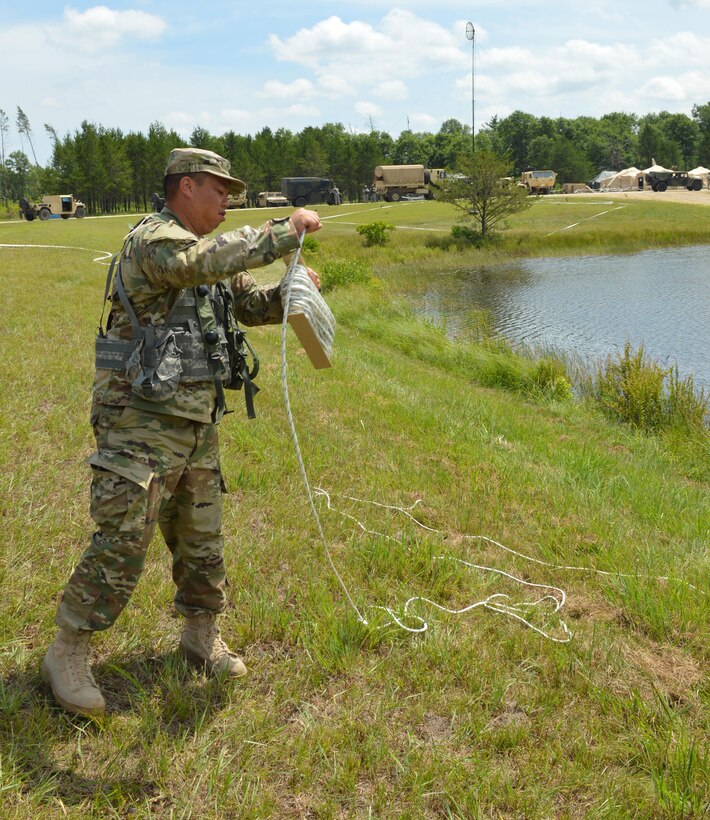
(589, 306)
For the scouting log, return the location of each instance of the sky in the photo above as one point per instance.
(366, 63)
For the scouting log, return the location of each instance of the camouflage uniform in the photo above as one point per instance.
(159, 462)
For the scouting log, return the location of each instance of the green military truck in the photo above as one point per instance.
(301, 191)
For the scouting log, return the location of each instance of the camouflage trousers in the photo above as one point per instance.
(149, 469)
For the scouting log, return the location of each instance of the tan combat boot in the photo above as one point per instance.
(201, 643)
(66, 669)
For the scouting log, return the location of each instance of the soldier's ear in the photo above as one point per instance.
(186, 186)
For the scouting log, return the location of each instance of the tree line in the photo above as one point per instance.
(116, 172)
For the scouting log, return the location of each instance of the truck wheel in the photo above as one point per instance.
(395, 196)
(696, 185)
(44, 214)
(300, 202)
(79, 213)
(662, 185)
(29, 215)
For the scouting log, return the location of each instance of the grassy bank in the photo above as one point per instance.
(477, 717)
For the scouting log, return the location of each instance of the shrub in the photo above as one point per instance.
(461, 238)
(375, 233)
(337, 273)
(465, 234)
(311, 244)
(637, 390)
(686, 406)
(550, 376)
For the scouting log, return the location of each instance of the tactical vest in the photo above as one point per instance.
(200, 341)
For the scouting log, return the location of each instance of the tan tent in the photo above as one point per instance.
(701, 173)
(625, 180)
(658, 169)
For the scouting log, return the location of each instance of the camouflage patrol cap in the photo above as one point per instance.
(195, 160)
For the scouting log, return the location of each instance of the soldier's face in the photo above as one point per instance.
(209, 203)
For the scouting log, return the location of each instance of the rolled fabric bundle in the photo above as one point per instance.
(309, 316)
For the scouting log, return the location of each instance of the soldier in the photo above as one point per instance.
(157, 399)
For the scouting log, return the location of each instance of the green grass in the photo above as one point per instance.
(478, 717)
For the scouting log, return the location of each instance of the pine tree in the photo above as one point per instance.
(23, 126)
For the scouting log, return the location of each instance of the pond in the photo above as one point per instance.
(588, 307)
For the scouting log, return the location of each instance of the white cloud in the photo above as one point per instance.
(685, 47)
(327, 41)
(336, 87)
(99, 21)
(298, 89)
(368, 109)
(100, 28)
(391, 90)
(423, 122)
(663, 88)
(572, 68)
(689, 87)
(358, 55)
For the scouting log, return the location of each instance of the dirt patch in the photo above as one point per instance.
(435, 728)
(581, 607)
(510, 715)
(670, 669)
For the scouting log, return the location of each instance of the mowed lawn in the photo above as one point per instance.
(478, 716)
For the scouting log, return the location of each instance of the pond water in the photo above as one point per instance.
(588, 307)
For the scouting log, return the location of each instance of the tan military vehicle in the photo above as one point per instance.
(538, 182)
(238, 201)
(271, 199)
(395, 182)
(61, 206)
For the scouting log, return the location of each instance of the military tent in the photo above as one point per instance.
(702, 174)
(658, 169)
(625, 180)
(595, 183)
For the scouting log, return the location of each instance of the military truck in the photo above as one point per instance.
(393, 182)
(300, 191)
(271, 199)
(238, 201)
(662, 180)
(538, 182)
(61, 206)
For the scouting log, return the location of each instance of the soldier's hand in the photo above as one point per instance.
(314, 277)
(304, 220)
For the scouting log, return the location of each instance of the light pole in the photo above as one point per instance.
(470, 35)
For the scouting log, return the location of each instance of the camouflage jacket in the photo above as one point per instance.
(160, 258)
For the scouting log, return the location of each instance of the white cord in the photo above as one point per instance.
(286, 298)
(493, 602)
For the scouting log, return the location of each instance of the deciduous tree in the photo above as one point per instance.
(484, 194)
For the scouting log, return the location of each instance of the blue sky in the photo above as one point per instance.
(242, 66)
